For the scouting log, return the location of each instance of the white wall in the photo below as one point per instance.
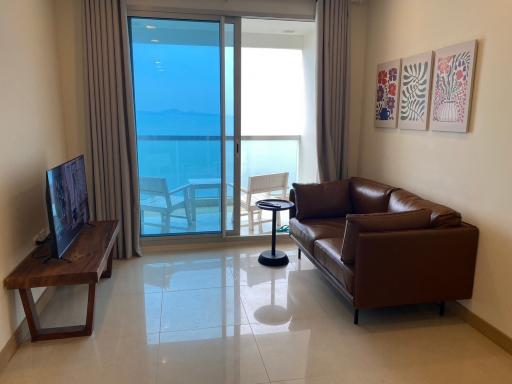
(32, 135)
(469, 172)
(69, 41)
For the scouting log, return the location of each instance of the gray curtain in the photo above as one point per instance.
(333, 33)
(111, 136)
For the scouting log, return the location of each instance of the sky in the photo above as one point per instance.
(174, 83)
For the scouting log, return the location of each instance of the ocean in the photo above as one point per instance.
(180, 146)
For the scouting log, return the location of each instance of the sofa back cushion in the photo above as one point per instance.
(379, 222)
(319, 200)
(442, 216)
(368, 196)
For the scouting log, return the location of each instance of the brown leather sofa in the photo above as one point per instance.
(384, 246)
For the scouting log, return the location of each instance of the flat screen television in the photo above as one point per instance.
(67, 204)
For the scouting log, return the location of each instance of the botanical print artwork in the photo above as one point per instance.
(386, 105)
(414, 95)
(452, 87)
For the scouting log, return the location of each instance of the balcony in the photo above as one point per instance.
(178, 120)
(194, 192)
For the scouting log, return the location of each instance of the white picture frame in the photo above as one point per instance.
(387, 93)
(415, 82)
(452, 87)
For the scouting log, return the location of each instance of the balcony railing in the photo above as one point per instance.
(179, 159)
(159, 156)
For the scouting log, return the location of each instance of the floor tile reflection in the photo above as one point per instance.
(218, 316)
(201, 308)
(195, 273)
(220, 355)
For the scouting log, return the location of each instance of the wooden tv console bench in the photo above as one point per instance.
(88, 259)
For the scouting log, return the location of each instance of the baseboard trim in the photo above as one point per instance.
(176, 245)
(8, 351)
(22, 333)
(482, 326)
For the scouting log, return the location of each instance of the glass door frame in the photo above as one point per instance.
(222, 20)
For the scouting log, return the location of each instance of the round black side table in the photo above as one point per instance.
(273, 258)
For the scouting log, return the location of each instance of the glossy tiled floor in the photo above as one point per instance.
(219, 317)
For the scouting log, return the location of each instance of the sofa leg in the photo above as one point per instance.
(299, 253)
(356, 317)
(441, 308)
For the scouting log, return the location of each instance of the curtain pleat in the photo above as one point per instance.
(111, 137)
(333, 85)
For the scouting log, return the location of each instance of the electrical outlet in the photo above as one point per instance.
(41, 236)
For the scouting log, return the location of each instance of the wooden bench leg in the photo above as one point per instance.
(30, 311)
(107, 273)
(90, 309)
(38, 334)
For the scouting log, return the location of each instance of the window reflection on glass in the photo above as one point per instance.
(176, 75)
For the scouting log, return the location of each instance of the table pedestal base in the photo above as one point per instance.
(277, 260)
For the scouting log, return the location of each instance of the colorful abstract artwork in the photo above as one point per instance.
(452, 87)
(386, 105)
(415, 91)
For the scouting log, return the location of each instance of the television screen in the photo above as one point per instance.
(68, 208)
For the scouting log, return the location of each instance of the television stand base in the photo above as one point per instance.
(87, 261)
(39, 334)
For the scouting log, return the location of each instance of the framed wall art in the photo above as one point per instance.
(387, 93)
(452, 87)
(415, 91)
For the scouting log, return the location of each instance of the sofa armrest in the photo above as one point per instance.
(416, 266)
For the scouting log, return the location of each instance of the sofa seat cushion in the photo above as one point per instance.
(321, 200)
(307, 231)
(380, 222)
(441, 216)
(328, 254)
(368, 196)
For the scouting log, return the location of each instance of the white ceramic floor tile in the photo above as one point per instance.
(301, 348)
(277, 303)
(137, 314)
(202, 308)
(425, 351)
(136, 275)
(225, 355)
(108, 359)
(198, 273)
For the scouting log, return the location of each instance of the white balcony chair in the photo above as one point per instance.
(271, 186)
(156, 197)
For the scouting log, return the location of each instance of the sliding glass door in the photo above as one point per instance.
(184, 96)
